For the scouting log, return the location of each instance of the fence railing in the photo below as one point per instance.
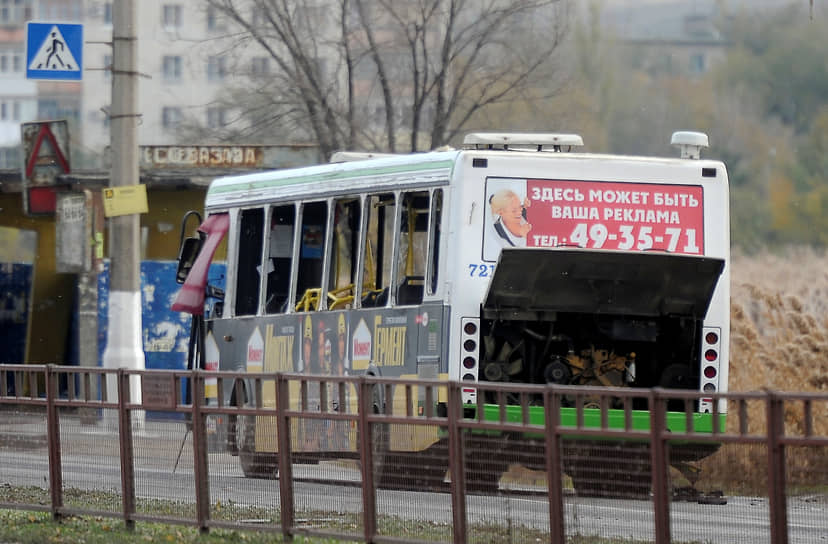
(352, 457)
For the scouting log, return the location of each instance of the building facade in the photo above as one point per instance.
(185, 60)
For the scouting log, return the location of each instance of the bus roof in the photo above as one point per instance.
(400, 170)
(386, 172)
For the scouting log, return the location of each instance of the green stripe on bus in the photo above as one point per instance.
(333, 176)
(639, 419)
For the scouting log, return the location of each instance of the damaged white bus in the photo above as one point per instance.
(516, 259)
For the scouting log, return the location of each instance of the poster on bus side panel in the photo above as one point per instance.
(593, 214)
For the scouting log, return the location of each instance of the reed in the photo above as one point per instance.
(779, 341)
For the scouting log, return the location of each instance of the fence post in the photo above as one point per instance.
(456, 465)
(127, 452)
(287, 511)
(776, 469)
(200, 472)
(53, 441)
(553, 467)
(658, 458)
(369, 492)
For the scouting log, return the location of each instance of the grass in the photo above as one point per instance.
(18, 527)
(22, 527)
(37, 528)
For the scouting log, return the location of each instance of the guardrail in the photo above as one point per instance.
(561, 435)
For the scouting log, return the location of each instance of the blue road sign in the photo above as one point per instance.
(54, 51)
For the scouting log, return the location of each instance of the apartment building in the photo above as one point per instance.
(671, 37)
(185, 59)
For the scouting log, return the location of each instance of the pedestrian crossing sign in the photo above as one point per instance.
(54, 51)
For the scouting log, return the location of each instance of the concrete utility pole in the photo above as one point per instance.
(123, 346)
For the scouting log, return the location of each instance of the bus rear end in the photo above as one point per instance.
(591, 270)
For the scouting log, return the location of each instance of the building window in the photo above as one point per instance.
(17, 63)
(4, 63)
(107, 13)
(215, 20)
(10, 111)
(170, 116)
(107, 62)
(697, 64)
(10, 157)
(172, 68)
(47, 109)
(260, 66)
(216, 68)
(171, 16)
(216, 117)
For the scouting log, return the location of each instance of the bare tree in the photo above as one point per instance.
(388, 74)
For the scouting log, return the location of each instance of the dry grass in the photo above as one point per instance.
(779, 329)
(779, 341)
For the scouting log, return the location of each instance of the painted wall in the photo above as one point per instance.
(17, 252)
(165, 333)
(53, 293)
(53, 296)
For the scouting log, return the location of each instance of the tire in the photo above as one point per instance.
(484, 465)
(616, 470)
(383, 475)
(254, 464)
(417, 470)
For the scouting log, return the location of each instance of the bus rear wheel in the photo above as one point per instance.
(615, 470)
(253, 464)
(485, 463)
(416, 470)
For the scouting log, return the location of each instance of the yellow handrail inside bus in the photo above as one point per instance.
(340, 296)
(370, 266)
(309, 301)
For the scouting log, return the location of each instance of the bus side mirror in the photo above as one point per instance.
(187, 254)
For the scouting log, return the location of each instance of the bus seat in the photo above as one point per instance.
(375, 298)
(410, 291)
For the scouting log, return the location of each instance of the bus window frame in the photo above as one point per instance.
(298, 211)
(395, 244)
(379, 252)
(432, 268)
(264, 259)
(236, 254)
(323, 294)
(271, 207)
(327, 248)
(407, 200)
(359, 279)
(344, 200)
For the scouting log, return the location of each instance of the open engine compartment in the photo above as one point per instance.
(589, 317)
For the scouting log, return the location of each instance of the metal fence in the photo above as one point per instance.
(389, 460)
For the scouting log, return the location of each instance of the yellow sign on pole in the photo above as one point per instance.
(125, 200)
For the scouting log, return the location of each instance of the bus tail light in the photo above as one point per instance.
(469, 355)
(710, 349)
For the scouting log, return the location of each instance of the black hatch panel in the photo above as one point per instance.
(603, 282)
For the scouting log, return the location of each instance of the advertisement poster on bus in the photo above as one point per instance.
(593, 214)
(339, 343)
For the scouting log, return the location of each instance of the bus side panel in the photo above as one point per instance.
(399, 342)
